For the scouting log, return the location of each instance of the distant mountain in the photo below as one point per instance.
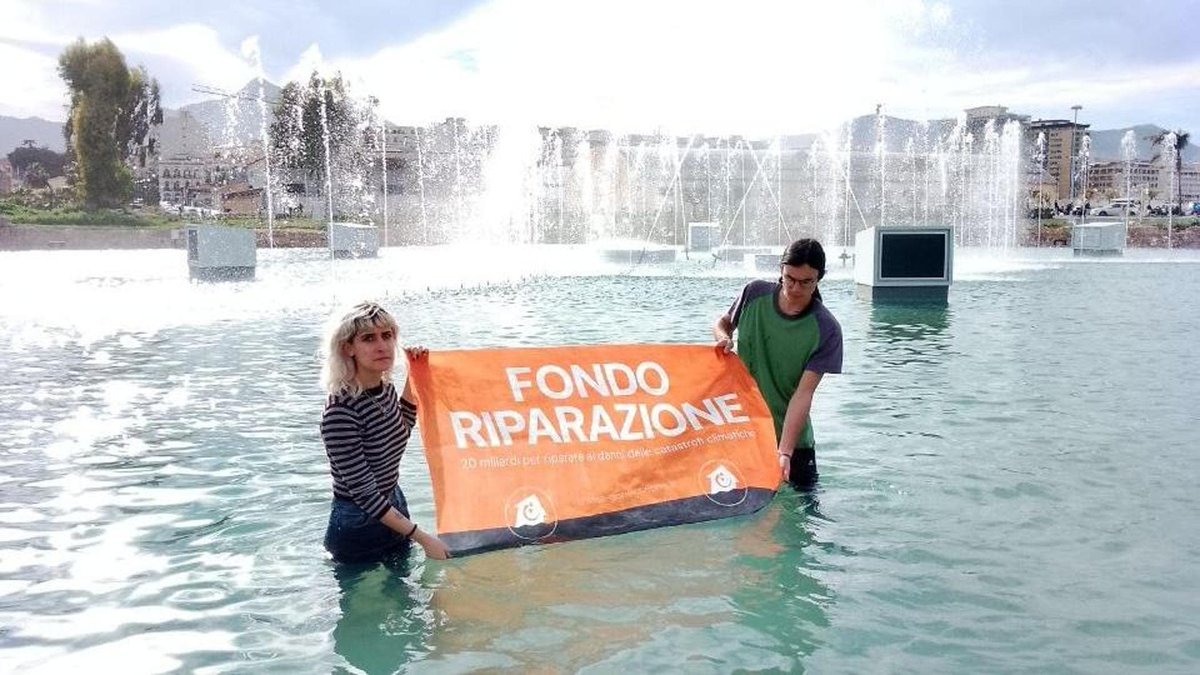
(864, 132)
(182, 134)
(195, 129)
(192, 129)
(16, 130)
(1106, 143)
(235, 119)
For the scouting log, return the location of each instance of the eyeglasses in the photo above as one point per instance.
(793, 282)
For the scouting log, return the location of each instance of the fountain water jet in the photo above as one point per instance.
(1171, 156)
(1128, 153)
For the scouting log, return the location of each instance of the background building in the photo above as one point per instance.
(1148, 181)
(1063, 140)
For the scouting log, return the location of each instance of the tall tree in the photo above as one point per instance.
(112, 110)
(319, 127)
(1182, 139)
(25, 156)
(304, 114)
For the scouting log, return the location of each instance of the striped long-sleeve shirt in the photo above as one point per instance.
(365, 437)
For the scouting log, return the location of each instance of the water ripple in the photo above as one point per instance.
(1006, 482)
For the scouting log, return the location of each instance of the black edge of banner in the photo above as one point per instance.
(663, 514)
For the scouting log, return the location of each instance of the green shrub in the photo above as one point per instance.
(35, 208)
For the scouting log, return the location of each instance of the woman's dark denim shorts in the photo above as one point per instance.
(355, 536)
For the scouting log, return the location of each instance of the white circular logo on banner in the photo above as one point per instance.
(722, 482)
(530, 515)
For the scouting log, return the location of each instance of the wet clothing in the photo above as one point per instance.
(354, 536)
(804, 468)
(365, 436)
(777, 348)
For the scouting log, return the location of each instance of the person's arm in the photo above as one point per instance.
(343, 443)
(728, 322)
(723, 333)
(795, 419)
(434, 548)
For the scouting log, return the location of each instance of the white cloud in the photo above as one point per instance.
(34, 83)
(28, 76)
(619, 64)
(764, 67)
(310, 59)
(759, 66)
(1052, 89)
(179, 56)
(26, 23)
(192, 50)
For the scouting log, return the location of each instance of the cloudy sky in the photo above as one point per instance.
(678, 65)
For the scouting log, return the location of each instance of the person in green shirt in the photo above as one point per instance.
(788, 340)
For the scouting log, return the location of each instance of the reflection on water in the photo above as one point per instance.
(164, 492)
(384, 617)
(892, 323)
(719, 596)
(704, 596)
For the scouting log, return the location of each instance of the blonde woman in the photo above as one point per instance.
(365, 428)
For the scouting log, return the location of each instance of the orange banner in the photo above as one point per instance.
(541, 445)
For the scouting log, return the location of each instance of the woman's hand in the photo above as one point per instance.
(415, 352)
(435, 548)
(725, 345)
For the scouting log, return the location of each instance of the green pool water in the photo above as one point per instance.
(1008, 483)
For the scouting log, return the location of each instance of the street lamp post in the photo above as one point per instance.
(1071, 171)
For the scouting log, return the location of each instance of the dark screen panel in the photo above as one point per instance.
(912, 256)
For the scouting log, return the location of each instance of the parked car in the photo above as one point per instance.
(1166, 209)
(1117, 207)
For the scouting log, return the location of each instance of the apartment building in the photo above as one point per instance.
(1063, 139)
(1109, 180)
(1145, 180)
(180, 176)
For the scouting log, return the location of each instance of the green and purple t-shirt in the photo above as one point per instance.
(777, 348)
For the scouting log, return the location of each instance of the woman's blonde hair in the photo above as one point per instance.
(338, 374)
